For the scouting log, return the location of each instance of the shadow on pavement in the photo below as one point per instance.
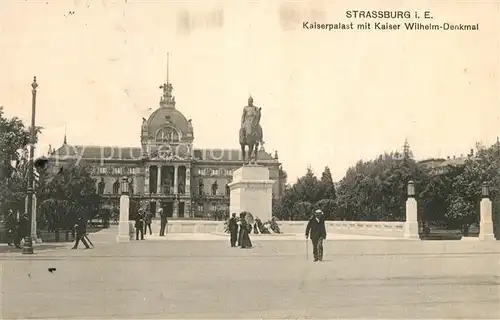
(38, 247)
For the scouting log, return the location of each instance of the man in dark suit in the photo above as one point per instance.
(163, 222)
(148, 218)
(233, 229)
(81, 231)
(139, 225)
(317, 230)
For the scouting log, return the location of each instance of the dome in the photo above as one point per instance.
(168, 117)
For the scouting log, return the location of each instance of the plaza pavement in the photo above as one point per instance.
(158, 279)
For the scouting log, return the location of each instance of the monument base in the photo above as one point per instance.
(251, 190)
(486, 222)
(410, 227)
(125, 232)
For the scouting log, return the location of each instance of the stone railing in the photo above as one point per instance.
(370, 228)
(387, 229)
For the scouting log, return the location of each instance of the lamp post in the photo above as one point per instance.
(28, 243)
(411, 189)
(124, 186)
(486, 215)
(485, 192)
(124, 226)
(410, 227)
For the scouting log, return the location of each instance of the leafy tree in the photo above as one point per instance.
(307, 188)
(67, 195)
(329, 208)
(302, 210)
(326, 186)
(283, 208)
(377, 189)
(14, 141)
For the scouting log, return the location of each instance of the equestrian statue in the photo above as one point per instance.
(250, 131)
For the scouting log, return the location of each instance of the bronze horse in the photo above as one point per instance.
(251, 136)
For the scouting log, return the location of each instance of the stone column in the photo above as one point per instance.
(188, 181)
(176, 180)
(33, 219)
(125, 227)
(134, 183)
(146, 179)
(176, 209)
(158, 182)
(411, 223)
(187, 206)
(158, 206)
(486, 222)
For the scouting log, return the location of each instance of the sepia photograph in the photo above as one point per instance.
(249, 159)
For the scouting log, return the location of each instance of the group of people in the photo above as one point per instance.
(240, 229)
(143, 221)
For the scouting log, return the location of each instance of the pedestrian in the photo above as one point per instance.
(20, 230)
(317, 231)
(163, 221)
(81, 231)
(245, 229)
(148, 218)
(233, 229)
(139, 226)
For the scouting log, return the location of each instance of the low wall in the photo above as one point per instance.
(369, 228)
(383, 229)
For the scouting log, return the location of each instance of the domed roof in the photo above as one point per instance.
(167, 116)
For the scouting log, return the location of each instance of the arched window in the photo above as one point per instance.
(100, 186)
(167, 134)
(116, 187)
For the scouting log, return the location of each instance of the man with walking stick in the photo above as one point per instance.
(317, 230)
(81, 232)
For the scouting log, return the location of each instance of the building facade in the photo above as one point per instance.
(166, 171)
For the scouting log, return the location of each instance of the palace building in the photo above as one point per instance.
(166, 170)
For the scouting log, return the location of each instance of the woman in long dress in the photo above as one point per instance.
(245, 229)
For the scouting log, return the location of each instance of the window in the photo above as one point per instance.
(102, 170)
(216, 172)
(132, 170)
(117, 170)
(214, 206)
(200, 208)
(116, 187)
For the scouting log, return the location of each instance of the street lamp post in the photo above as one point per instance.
(28, 243)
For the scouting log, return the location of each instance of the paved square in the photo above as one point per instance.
(208, 279)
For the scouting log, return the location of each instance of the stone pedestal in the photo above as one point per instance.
(486, 223)
(411, 223)
(251, 190)
(125, 231)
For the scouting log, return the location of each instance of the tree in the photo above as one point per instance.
(283, 208)
(326, 186)
(377, 189)
(329, 208)
(302, 210)
(14, 140)
(67, 195)
(307, 188)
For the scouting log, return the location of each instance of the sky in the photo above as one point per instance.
(328, 98)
